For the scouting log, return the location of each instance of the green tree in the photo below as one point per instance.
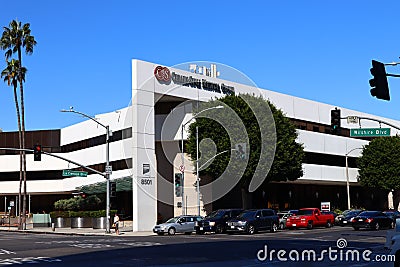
(273, 136)
(379, 165)
(11, 75)
(14, 39)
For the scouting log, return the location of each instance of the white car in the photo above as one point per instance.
(180, 224)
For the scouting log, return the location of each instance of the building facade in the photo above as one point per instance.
(145, 148)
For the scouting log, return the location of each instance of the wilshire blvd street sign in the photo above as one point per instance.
(74, 173)
(369, 132)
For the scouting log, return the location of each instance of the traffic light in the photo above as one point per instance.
(178, 184)
(379, 84)
(37, 153)
(241, 151)
(335, 121)
(113, 189)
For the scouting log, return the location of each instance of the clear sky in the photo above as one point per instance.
(318, 50)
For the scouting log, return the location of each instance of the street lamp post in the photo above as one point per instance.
(347, 177)
(197, 161)
(108, 167)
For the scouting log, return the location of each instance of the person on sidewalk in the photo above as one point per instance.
(116, 223)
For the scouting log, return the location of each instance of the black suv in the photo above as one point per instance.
(251, 221)
(216, 221)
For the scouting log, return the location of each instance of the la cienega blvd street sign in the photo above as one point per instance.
(369, 132)
(74, 173)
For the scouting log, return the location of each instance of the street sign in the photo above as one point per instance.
(352, 119)
(109, 169)
(181, 168)
(74, 173)
(369, 132)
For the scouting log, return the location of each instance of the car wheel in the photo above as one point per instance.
(251, 229)
(219, 229)
(281, 226)
(310, 225)
(328, 224)
(199, 232)
(171, 231)
(274, 228)
(376, 226)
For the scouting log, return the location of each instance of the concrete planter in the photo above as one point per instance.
(61, 222)
(81, 222)
(99, 223)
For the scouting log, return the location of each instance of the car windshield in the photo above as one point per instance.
(246, 215)
(172, 220)
(352, 213)
(305, 212)
(215, 214)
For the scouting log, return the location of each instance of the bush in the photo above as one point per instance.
(78, 203)
(58, 214)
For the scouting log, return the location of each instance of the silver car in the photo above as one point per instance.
(179, 224)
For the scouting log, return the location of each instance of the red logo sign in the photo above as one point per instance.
(162, 74)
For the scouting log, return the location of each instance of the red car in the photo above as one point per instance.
(309, 218)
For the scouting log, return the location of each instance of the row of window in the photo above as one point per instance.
(122, 164)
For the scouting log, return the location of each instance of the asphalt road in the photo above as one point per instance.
(197, 250)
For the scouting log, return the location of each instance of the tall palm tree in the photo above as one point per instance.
(11, 75)
(15, 38)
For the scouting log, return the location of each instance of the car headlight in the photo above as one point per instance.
(196, 223)
(241, 222)
(212, 223)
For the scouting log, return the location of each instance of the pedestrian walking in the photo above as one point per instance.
(116, 223)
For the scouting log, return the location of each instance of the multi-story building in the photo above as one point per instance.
(145, 151)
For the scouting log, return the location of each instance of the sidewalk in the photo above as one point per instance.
(124, 231)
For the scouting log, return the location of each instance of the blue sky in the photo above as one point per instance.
(319, 50)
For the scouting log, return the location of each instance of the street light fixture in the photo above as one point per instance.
(347, 176)
(182, 169)
(108, 167)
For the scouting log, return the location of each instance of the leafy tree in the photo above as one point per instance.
(14, 39)
(271, 142)
(379, 165)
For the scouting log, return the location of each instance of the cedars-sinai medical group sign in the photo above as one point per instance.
(164, 75)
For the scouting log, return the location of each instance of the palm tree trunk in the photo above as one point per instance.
(20, 154)
(21, 86)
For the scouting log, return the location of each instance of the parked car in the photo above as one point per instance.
(309, 218)
(283, 217)
(179, 224)
(216, 221)
(251, 221)
(372, 220)
(346, 217)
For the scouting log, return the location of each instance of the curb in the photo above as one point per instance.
(100, 233)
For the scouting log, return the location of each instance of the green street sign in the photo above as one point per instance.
(74, 173)
(369, 132)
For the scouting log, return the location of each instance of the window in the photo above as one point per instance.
(266, 213)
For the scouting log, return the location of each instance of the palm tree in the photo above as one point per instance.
(14, 39)
(11, 75)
